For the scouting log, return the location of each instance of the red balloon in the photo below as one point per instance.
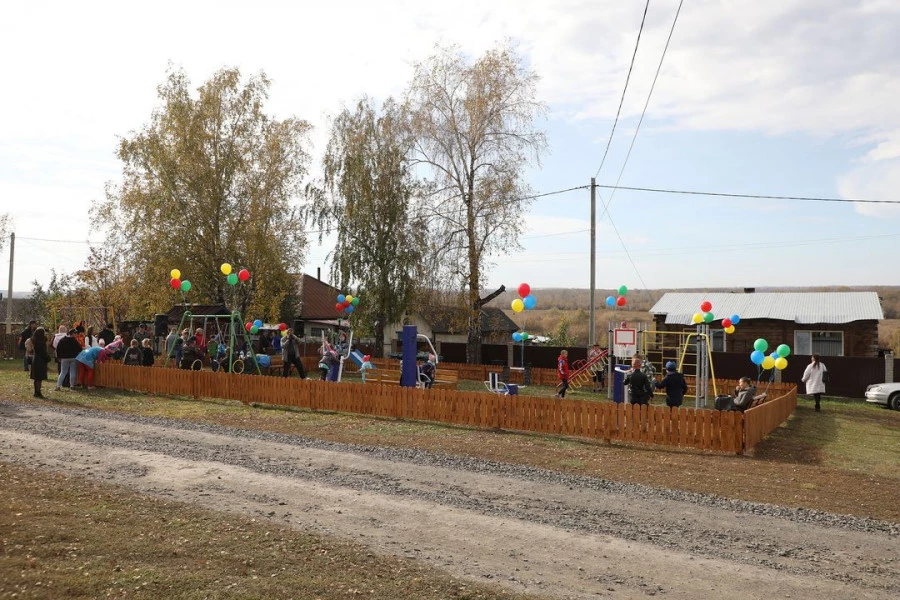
(282, 326)
(524, 289)
(706, 306)
(346, 303)
(620, 301)
(175, 283)
(248, 326)
(726, 323)
(339, 306)
(243, 274)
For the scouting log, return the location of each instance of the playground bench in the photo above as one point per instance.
(384, 376)
(446, 380)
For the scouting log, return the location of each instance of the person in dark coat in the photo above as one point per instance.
(640, 385)
(40, 361)
(291, 355)
(147, 357)
(674, 384)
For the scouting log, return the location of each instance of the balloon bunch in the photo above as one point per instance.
(706, 316)
(777, 359)
(527, 301)
(613, 301)
(521, 336)
(253, 326)
(177, 283)
(231, 276)
(346, 303)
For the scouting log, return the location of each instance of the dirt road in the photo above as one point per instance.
(528, 529)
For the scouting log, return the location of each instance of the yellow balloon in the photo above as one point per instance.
(175, 273)
(768, 362)
(349, 298)
(517, 305)
(284, 333)
(697, 318)
(225, 268)
(781, 363)
(729, 329)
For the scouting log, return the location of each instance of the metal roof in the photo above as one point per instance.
(800, 307)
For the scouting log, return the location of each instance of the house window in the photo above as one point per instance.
(717, 337)
(317, 332)
(823, 343)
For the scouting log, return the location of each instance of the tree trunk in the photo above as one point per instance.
(378, 351)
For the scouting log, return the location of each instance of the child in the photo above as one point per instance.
(365, 366)
(427, 372)
(133, 356)
(562, 371)
(147, 354)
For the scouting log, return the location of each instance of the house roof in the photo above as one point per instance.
(454, 320)
(799, 307)
(317, 299)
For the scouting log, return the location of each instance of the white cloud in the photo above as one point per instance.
(873, 181)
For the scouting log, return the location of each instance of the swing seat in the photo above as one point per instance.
(264, 361)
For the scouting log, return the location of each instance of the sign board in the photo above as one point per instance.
(624, 342)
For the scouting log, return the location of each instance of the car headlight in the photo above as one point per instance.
(874, 388)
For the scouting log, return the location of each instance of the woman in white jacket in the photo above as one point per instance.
(814, 378)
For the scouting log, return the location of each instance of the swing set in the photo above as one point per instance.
(233, 324)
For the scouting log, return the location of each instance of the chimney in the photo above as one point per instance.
(319, 273)
(749, 290)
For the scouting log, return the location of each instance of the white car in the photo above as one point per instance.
(884, 393)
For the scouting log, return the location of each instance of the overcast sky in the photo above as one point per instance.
(772, 97)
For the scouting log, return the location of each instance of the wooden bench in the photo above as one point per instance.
(446, 379)
(383, 376)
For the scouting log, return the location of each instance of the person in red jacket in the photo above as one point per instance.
(562, 371)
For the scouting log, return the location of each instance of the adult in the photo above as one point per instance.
(66, 351)
(60, 334)
(87, 359)
(170, 342)
(291, 355)
(674, 384)
(106, 334)
(90, 339)
(24, 337)
(562, 372)
(599, 378)
(640, 389)
(79, 333)
(814, 378)
(40, 361)
(744, 394)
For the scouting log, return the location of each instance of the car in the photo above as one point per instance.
(884, 393)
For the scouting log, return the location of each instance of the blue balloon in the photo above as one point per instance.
(341, 298)
(350, 308)
(610, 301)
(757, 357)
(517, 337)
(735, 319)
(775, 355)
(529, 301)
(257, 323)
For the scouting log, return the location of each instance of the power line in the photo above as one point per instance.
(643, 112)
(622, 99)
(754, 196)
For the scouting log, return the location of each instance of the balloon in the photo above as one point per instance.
(757, 357)
(339, 307)
(346, 303)
(620, 301)
(232, 279)
(248, 326)
(341, 298)
(254, 330)
(284, 333)
(610, 301)
(761, 345)
(524, 289)
(730, 329)
(350, 308)
(349, 299)
(706, 306)
(257, 323)
(708, 317)
(726, 323)
(783, 350)
(517, 305)
(243, 274)
(175, 283)
(781, 363)
(175, 274)
(735, 319)
(525, 336)
(225, 268)
(355, 301)
(768, 362)
(517, 337)
(697, 318)
(367, 358)
(185, 286)
(530, 302)
(622, 290)
(282, 326)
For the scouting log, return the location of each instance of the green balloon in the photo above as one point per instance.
(185, 286)
(623, 290)
(524, 336)
(783, 350)
(232, 279)
(355, 301)
(761, 345)
(708, 317)
(254, 330)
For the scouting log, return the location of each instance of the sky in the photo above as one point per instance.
(763, 97)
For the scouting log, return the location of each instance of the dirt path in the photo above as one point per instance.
(524, 528)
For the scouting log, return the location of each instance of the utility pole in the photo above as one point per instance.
(9, 297)
(591, 338)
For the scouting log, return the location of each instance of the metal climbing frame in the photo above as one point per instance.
(691, 351)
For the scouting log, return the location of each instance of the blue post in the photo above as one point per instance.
(409, 373)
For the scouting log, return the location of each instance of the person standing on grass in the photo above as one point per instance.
(147, 358)
(599, 373)
(562, 371)
(674, 384)
(290, 355)
(814, 378)
(40, 359)
(24, 337)
(640, 387)
(106, 334)
(66, 351)
(61, 333)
